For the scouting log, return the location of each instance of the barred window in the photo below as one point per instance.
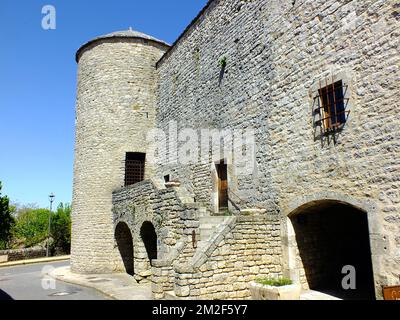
(134, 167)
(332, 106)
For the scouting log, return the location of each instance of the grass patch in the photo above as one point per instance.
(279, 282)
(222, 62)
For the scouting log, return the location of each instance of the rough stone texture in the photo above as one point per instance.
(22, 254)
(263, 292)
(243, 249)
(276, 54)
(163, 207)
(115, 108)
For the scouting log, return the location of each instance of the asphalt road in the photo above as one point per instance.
(29, 283)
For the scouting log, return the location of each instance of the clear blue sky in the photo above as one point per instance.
(38, 82)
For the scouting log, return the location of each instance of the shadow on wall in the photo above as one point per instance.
(330, 236)
(149, 237)
(124, 240)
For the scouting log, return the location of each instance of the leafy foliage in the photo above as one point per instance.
(6, 221)
(279, 282)
(32, 225)
(61, 228)
(222, 62)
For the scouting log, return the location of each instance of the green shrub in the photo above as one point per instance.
(278, 282)
(222, 62)
(61, 228)
(31, 226)
(6, 221)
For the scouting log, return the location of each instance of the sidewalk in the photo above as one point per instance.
(32, 261)
(315, 295)
(117, 286)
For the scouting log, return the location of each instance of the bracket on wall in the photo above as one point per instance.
(194, 240)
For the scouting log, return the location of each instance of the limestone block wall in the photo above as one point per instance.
(115, 109)
(243, 249)
(172, 219)
(276, 54)
(22, 254)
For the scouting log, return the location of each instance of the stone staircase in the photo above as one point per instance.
(208, 225)
(208, 221)
(208, 228)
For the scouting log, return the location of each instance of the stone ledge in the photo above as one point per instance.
(172, 184)
(252, 211)
(172, 255)
(205, 252)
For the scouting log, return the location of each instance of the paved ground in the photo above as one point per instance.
(315, 295)
(29, 282)
(32, 282)
(119, 286)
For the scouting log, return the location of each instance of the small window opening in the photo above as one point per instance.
(167, 178)
(134, 167)
(332, 105)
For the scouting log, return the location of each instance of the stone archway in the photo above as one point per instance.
(124, 241)
(330, 235)
(149, 237)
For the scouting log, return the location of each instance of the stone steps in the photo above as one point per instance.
(211, 220)
(208, 225)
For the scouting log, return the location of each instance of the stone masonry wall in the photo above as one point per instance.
(22, 254)
(277, 52)
(162, 206)
(115, 109)
(246, 248)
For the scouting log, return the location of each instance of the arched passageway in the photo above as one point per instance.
(124, 241)
(149, 237)
(329, 236)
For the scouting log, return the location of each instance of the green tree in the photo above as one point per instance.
(61, 228)
(6, 221)
(31, 226)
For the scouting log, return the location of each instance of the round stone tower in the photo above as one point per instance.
(117, 81)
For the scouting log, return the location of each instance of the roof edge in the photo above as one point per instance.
(187, 29)
(119, 37)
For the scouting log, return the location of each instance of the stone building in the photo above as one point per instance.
(307, 89)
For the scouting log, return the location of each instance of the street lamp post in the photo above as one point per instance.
(51, 198)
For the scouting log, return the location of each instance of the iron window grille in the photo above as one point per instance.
(332, 106)
(134, 168)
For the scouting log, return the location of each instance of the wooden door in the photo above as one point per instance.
(222, 170)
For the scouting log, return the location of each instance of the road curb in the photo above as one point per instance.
(33, 261)
(115, 286)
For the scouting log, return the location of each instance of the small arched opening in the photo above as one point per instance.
(124, 241)
(149, 237)
(331, 235)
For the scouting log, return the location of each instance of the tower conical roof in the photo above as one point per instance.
(121, 34)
